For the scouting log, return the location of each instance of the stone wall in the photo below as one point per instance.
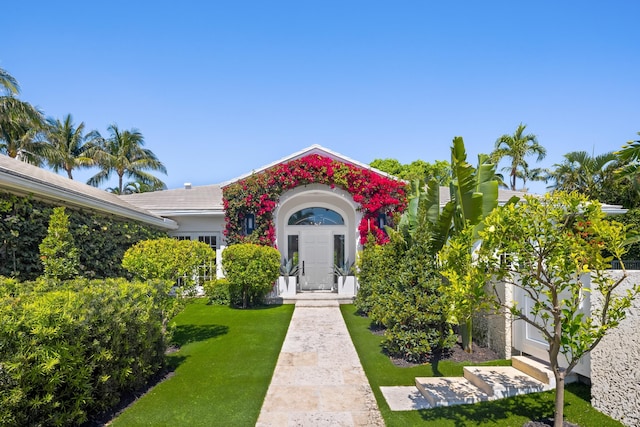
(615, 364)
(494, 330)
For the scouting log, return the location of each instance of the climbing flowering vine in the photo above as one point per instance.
(259, 193)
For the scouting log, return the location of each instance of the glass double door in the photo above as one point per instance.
(316, 249)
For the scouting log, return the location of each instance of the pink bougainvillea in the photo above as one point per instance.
(259, 193)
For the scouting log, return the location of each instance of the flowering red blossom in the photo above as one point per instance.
(259, 194)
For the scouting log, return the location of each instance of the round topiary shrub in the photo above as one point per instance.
(251, 270)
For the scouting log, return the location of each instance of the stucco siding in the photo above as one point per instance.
(615, 364)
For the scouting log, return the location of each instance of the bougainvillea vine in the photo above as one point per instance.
(259, 193)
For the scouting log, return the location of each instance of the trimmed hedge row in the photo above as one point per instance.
(68, 350)
(101, 240)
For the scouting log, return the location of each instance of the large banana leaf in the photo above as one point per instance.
(464, 188)
(474, 194)
(440, 219)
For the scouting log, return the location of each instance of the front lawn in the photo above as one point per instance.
(222, 371)
(511, 412)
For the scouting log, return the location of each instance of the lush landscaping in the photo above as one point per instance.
(70, 349)
(513, 411)
(222, 371)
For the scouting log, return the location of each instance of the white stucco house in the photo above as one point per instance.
(317, 207)
(317, 224)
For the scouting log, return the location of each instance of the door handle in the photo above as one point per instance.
(303, 268)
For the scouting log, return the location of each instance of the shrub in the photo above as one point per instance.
(251, 270)
(217, 291)
(69, 353)
(399, 290)
(377, 267)
(167, 259)
(58, 251)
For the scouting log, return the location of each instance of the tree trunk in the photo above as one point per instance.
(558, 416)
(466, 333)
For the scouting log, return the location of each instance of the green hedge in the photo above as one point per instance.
(101, 240)
(68, 350)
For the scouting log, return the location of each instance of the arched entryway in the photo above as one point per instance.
(316, 228)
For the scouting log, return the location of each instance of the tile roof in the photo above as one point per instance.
(197, 199)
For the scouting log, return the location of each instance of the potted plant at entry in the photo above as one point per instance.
(345, 278)
(288, 280)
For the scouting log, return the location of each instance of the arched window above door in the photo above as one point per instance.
(316, 216)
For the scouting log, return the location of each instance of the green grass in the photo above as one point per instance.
(512, 412)
(222, 371)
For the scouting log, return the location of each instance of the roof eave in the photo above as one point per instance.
(17, 183)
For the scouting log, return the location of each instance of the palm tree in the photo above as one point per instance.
(123, 154)
(136, 187)
(629, 155)
(20, 130)
(67, 145)
(20, 123)
(583, 173)
(9, 83)
(517, 147)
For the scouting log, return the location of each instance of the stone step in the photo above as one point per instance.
(447, 391)
(535, 369)
(503, 381)
(539, 370)
(317, 303)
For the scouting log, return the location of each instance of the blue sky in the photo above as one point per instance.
(221, 88)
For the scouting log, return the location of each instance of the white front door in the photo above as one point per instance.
(530, 340)
(315, 259)
(526, 338)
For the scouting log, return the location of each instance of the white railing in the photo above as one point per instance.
(201, 274)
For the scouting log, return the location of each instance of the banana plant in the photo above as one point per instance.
(410, 219)
(473, 195)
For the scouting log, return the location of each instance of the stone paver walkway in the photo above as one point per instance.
(318, 380)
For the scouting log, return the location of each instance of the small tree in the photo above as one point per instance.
(252, 269)
(58, 252)
(549, 243)
(464, 284)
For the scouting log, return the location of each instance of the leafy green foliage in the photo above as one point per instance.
(101, 240)
(217, 291)
(58, 251)
(552, 241)
(167, 259)
(251, 270)
(399, 291)
(464, 284)
(69, 349)
(631, 219)
(420, 170)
